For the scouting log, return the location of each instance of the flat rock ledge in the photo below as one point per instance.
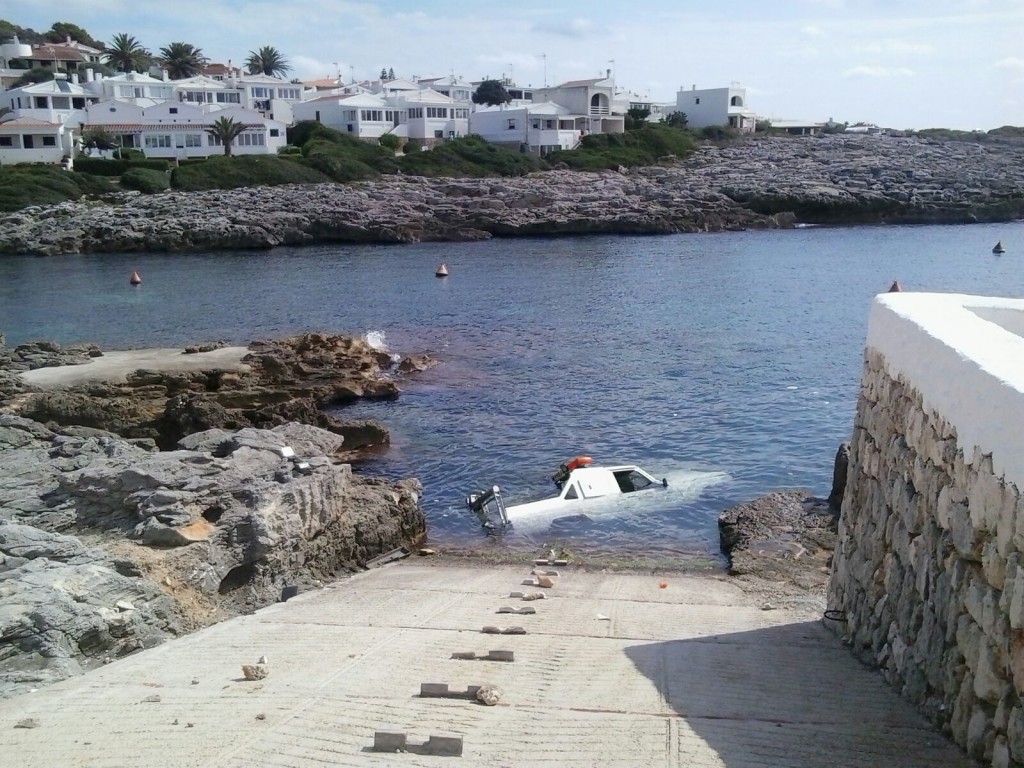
(107, 547)
(300, 378)
(786, 537)
(109, 544)
(757, 183)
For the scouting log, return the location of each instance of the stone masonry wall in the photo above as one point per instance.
(929, 569)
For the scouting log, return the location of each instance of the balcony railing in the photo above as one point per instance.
(599, 111)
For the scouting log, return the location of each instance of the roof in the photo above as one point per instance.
(582, 83)
(357, 100)
(60, 86)
(427, 95)
(323, 83)
(18, 124)
(134, 77)
(56, 52)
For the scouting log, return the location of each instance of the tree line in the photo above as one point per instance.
(126, 53)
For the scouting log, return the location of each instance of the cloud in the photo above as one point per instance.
(812, 30)
(575, 28)
(865, 70)
(1012, 63)
(895, 47)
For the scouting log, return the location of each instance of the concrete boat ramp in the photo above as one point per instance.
(614, 670)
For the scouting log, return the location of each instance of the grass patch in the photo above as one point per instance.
(469, 156)
(145, 180)
(244, 171)
(644, 146)
(25, 185)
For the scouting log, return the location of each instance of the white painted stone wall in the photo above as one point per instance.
(929, 569)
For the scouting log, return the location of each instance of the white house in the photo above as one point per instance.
(272, 97)
(52, 101)
(716, 106)
(364, 116)
(592, 98)
(430, 116)
(177, 130)
(26, 139)
(129, 86)
(455, 88)
(535, 128)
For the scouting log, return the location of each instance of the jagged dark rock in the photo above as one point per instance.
(292, 379)
(177, 539)
(761, 182)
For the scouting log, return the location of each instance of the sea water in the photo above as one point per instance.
(727, 363)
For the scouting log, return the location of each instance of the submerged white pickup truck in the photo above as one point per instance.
(578, 482)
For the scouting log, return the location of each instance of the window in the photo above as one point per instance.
(696, 101)
(6, 141)
(173, 110)
(318, 117)
(78, 103)
(193, 140)
(461, 114)
(41, 102)
(438, 134)
(571, 493)
(49, 141)
(374, 115)
(61, 102)
(251, 140)
(535, 123)
(162, 141)
(511, 123)
(228, 98)
(275, 132)
(631, 480)
(437, 112)
(262, 93)
(415, 113)
(288, 93)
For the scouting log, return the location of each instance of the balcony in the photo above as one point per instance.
(600, 111)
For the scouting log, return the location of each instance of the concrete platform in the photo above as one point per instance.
(116, 365)
(695, 674)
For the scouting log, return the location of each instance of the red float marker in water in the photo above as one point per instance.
(135, 279)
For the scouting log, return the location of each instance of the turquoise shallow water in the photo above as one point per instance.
(728, 363)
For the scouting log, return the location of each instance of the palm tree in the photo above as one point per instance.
(182, 60)
(226, 129)
(268, 61)
(126, 53)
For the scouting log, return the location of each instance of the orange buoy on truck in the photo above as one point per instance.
(579, 461)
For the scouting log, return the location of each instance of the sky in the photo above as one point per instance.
(896, 63)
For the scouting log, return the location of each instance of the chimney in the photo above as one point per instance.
(693, 87)
(164, 75)
(74, 78)
(607, 73)
(89, 75)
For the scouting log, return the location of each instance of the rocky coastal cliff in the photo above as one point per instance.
(761, 182)
(109, 544)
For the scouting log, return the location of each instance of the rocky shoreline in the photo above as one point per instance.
(133, 511)
(764, 182)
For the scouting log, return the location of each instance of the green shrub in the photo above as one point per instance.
(390, 141)
(349, 151)
(108, 167)
(25, 185)
(717, 133)
(243, 171)
(145, 180)
(339, 167)
(468, 156)
(289, 149)
(642, 146)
